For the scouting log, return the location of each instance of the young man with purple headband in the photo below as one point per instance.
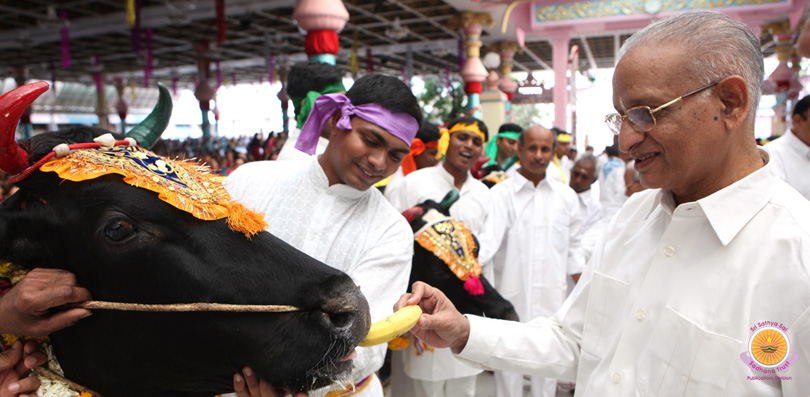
(325, 207)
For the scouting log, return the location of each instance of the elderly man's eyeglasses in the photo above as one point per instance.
(642, 118)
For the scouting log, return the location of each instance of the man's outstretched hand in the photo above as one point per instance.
(441, 325)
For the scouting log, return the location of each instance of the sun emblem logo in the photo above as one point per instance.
(769, 347)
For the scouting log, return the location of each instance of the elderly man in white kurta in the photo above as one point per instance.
(702, 286)
(326, 207)
(438, 373)
(790, 154)
(532, 238)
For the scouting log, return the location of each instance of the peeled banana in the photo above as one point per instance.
(392, 326)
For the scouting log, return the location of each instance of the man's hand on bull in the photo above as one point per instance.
(16, 364)
(249, 385)
(25, 309)
(441, 325)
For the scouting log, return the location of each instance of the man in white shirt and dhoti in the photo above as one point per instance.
(532, 239)
(325, 207)
(702, 284)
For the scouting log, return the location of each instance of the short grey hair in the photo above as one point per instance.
(588, 158)
(718, 47)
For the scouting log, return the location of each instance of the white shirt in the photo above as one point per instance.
(532, 237)
(593, 221)
(791, 160)
(433, 183)
(674, 294)
(289, 152)
(611, 186)
(351, 230)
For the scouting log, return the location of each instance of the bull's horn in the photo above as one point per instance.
(148, 131)
(449, 198)
(14, 159)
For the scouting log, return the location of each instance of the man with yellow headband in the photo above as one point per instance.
(438, 373)
(305, 83)
(560, 167)
(461, 144)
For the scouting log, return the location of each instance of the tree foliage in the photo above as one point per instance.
(440, 104)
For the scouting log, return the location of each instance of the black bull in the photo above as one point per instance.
(125, 245)
(429, 268)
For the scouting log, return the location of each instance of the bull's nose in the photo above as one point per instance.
(345, 309)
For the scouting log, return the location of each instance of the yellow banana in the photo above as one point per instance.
(392, 326)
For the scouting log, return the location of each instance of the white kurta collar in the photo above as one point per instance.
(318, 177)
(521, 182)
(731, 208)
(451, 180)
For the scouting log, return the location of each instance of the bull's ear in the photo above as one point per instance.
(449, 198)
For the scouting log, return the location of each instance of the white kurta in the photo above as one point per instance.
(593, 222)
(611, 186)
(672, 299)
(532, 237)
(791, 160)
(433, 183)
(355, 231)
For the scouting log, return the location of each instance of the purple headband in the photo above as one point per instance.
(400, 125)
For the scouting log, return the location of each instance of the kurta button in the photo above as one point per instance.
(641, 314)
(617, 377)
(669, 251)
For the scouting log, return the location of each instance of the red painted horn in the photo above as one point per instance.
(14, 159)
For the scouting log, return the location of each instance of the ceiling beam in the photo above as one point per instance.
(152, 17)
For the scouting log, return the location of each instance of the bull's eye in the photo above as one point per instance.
(118, 230)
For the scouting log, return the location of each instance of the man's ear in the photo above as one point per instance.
(334, 119)
(733, 92)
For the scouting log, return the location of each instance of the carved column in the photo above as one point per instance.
(473, 72)
(322, 20)
(507, 85)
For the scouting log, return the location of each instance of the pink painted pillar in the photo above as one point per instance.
(559, 55)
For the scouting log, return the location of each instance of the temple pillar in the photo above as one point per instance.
(559, 53)
(473, 72)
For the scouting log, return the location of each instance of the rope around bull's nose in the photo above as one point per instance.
(184, 307)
